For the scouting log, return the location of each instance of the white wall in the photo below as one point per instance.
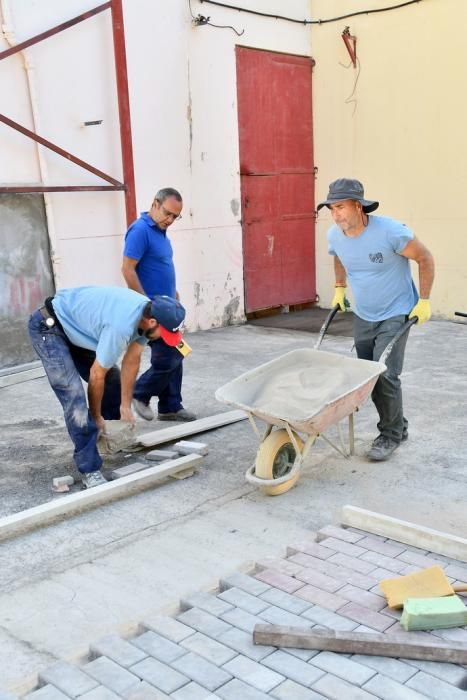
(182, 83)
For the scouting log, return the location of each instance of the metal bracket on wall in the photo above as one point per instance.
(351, 45)
(128, 184)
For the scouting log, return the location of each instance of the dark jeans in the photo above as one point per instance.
(65, 365)
(162, 379)
(370, 341)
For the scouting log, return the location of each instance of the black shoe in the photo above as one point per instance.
(382, 448)
(405, 436)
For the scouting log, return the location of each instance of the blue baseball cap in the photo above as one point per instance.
(170, 314)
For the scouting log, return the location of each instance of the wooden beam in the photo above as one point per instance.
(406, 532)
(372, 644)
(75, 502)
(175, 432)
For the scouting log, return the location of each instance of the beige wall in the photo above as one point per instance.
(402, 132)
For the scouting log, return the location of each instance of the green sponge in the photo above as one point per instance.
(433, 613)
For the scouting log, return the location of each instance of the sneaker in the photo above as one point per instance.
(405, 436)
(182, 414)
(382, 448)
(91, 479)
(143, 410)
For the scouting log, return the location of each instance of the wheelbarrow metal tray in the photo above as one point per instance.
(307, 389)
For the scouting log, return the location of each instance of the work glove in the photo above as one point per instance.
(341, 299)
(422, 309)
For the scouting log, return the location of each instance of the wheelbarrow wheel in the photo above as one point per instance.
(275, 459)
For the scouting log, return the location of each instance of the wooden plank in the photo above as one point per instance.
(406, 532)
(175, 432)
(75, 502)
(372, 644)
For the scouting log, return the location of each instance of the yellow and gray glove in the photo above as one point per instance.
(422, 309)
(341, 299)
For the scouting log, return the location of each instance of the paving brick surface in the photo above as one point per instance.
(160, 675)
(241, 599)
(210, 649)
(202, 671)
(202, 621)
(347, 669)
(252, 673)
(297, 670)
(245, 583)
(207, 602)
(237, 689)
(100, 693)
(193, 691)
(435, 688)
(68, 678)
(168, 627)
(206, 651)
(118, 649)
(278, 580)
(285, 565)
(154, 644)
(335, 688)
(111, 675)
(289, 690)
(144, 692)
(242, 642)
(48, 692)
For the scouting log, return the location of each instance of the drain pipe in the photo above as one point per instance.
(9, 35)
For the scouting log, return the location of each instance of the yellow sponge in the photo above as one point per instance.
(428, 583)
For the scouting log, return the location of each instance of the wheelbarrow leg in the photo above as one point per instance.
(351, 434)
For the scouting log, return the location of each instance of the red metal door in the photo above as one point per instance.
(277, 178)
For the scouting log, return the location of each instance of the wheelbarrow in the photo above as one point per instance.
(304, 391)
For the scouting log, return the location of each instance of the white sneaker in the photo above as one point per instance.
(91, 479)
(143, 410)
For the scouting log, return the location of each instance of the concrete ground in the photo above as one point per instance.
(105, 570)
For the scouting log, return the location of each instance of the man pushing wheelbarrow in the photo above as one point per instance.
(307, 391)
(373, 253)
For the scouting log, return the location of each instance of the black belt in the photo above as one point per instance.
(49, 315)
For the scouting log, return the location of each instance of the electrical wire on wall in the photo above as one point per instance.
(201, 20)
(351, 99)
(311, 21)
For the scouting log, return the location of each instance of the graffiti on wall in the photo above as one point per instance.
(25, 273)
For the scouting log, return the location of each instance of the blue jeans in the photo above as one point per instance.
(371, 338)
(162, 379)
(65, 364)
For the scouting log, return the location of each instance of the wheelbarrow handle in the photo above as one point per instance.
(460, 313)
(326, 325)
(388, 349)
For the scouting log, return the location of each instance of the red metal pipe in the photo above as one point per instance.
(60, 151)
(54, 30)
(124, 109)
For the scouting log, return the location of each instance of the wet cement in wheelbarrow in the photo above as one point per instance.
(299, 384)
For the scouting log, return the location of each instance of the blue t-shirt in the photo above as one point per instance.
(379, 276)
(148, 244)
(104, 319)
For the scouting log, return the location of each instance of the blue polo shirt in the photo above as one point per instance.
(104, 319)
(149, 245)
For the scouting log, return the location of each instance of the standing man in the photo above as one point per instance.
(374, 253)
(80, 334)
(148, 268)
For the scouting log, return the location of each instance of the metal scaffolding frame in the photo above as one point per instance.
(128, 184)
